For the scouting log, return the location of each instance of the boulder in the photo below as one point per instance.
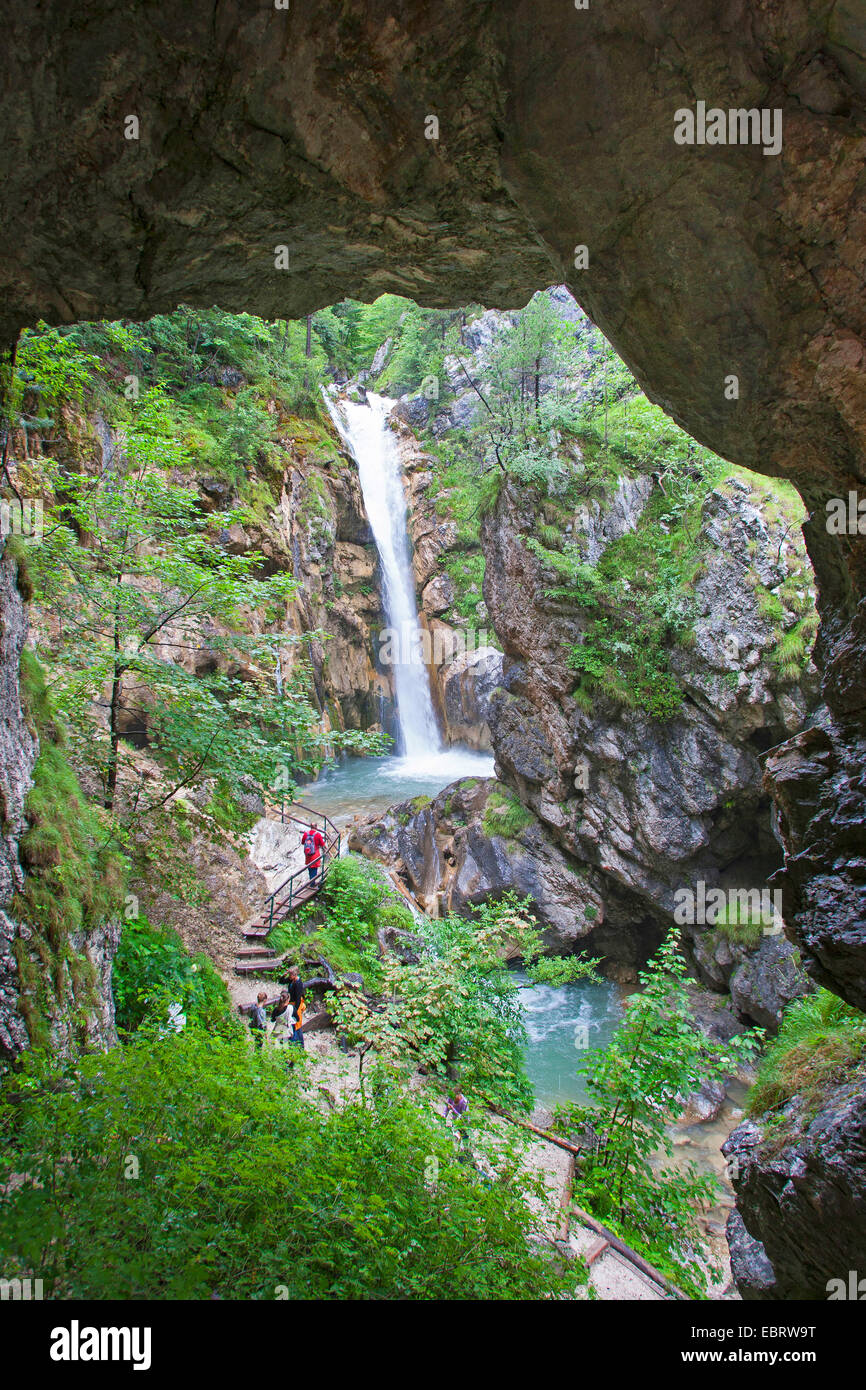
(799, 1174)
(767, 981)
(751, 1270)
(467, 684)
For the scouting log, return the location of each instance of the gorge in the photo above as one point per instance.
(645, 685)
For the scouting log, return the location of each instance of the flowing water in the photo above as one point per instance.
(562, 1021)
(368, 786)
(364, 430)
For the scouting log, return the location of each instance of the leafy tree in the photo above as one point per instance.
(637, 1085)
(152, 972)
(140, 593)
(457, 1011)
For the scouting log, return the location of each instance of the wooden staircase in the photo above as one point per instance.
(254, 957)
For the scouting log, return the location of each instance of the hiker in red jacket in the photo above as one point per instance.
(313, 842)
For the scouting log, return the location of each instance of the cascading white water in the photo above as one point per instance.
(365, 431)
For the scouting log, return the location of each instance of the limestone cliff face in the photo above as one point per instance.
(652, 805)
(54, 986)
(631, 809)
(319, 533)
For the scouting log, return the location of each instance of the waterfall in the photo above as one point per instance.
(365, 431)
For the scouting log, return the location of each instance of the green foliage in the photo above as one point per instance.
(466, 570)
(153, 970)
(73, 882)
(820, 1042)
(456, 1012)
(564, 970)
(637, 1086)
(505, 815)
(133, 573)
(190, 1165)
(50, 367)
(224, 809)
(793, 648)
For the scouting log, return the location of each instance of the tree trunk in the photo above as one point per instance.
(113, 712)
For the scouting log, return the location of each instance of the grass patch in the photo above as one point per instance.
(504, 815)
(343, 921)
(820, 1041)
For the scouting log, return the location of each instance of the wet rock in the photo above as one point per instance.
(438, 595)
(704, 1104)
(380, 357)
(816, 779)
(800, 1178)
(767, 981)
(750, 1268)
(467, 685)
(449, 855)
(414, 410)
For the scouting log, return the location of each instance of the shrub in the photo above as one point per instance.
(152, 970)
(188, 1166)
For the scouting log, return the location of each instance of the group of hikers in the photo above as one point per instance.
(286, 1015)
(286, 1019)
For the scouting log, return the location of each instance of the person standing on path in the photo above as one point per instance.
(313, 842)
(298, 1003)
(259, 1019)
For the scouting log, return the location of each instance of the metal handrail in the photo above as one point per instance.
(330, 852)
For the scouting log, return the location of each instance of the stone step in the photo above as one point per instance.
(259, 967)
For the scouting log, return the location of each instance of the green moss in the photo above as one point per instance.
(504, 815)
(73, 881)
(224, 809)
(257, 497)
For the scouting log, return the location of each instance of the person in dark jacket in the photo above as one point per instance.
(284, 1019)
(259, 1019)
(298, 1002)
